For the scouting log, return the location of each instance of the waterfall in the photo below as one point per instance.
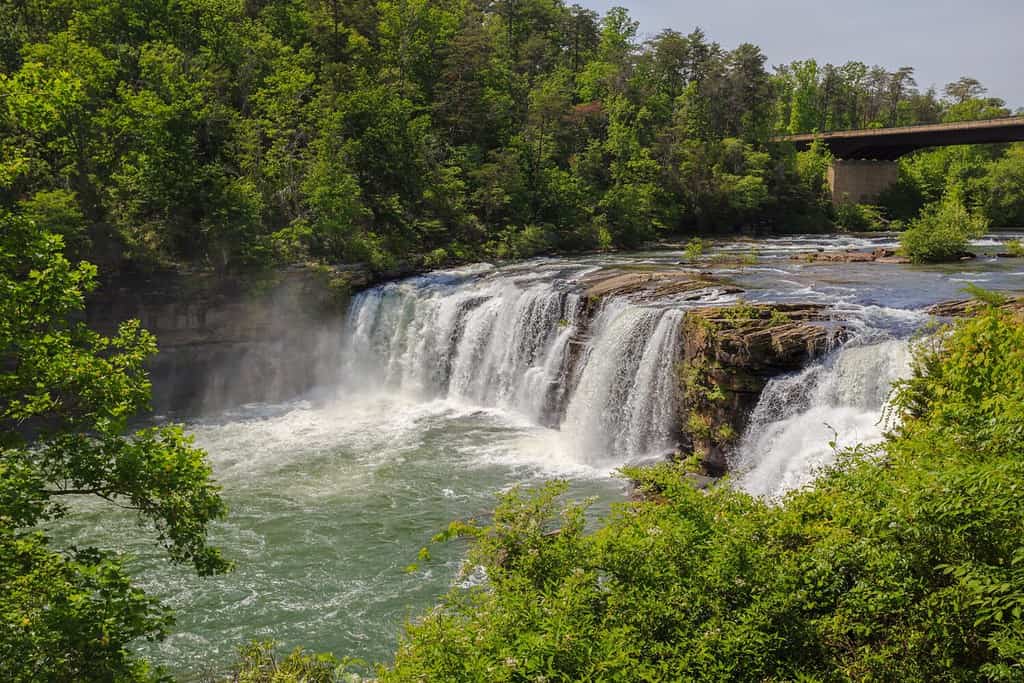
(625, 400)
(527, 342)
(523, 344)
(840, 399)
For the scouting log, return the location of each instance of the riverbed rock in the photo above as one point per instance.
(652, 284)
(964, 307)
(729, 354)
(879, 255)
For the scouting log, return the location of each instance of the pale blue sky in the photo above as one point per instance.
(942, 39)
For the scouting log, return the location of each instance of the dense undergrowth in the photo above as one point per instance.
(901, 562)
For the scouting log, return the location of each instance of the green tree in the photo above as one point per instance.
(1002, 189)
(804, 116)
(966, 88)
(67, 395)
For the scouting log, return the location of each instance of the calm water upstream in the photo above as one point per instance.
(453, 389)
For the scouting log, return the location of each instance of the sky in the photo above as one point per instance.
(942, 39)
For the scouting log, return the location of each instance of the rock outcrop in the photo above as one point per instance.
(962, 307)
(880, 255)
(729, 355)
(652, 285)
(225, 342)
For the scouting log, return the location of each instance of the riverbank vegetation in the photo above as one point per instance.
(903, 561)
(234, 135)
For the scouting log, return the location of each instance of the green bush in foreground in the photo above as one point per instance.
(942, 232)
(258, 663)
(902, 562)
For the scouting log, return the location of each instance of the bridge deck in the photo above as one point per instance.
(891, 143)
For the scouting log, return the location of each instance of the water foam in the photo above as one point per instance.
(839, 400)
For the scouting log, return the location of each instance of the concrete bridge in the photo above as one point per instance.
(865, 160)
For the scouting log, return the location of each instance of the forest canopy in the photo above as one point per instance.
(230, 134)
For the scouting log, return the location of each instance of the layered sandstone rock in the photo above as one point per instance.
(729, 355)
(225, 342)
(880, 255)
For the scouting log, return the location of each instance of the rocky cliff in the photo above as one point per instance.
(226, 341)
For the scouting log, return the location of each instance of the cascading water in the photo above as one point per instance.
(839, 400)
(522, 343)
(625, 401)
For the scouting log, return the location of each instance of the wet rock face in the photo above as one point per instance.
(729, 355)
(223, 343)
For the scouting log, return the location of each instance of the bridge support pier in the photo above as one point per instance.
(860, 180)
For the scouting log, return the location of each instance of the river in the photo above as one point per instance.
(452, 388)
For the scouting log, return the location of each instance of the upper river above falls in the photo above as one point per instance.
(452, 386)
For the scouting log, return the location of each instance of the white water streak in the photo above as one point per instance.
(840, 399)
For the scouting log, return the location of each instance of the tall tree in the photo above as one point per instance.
(966, 88)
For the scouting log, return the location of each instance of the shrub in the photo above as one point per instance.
(533, 240)
(941, 232)
(259, 663)
(694, 249)
(435, 259)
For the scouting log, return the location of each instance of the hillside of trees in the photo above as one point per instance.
(227, 134)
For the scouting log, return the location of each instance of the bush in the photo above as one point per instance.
(259, 663)
(694, 249)
(530, 240)
(435, 259)
(903, 562)
(941, 232)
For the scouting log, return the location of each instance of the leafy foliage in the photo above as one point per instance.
(942, 231)
(66, 397)
(901, 562)
(258, 663)
(234, 135)
(860, 217)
